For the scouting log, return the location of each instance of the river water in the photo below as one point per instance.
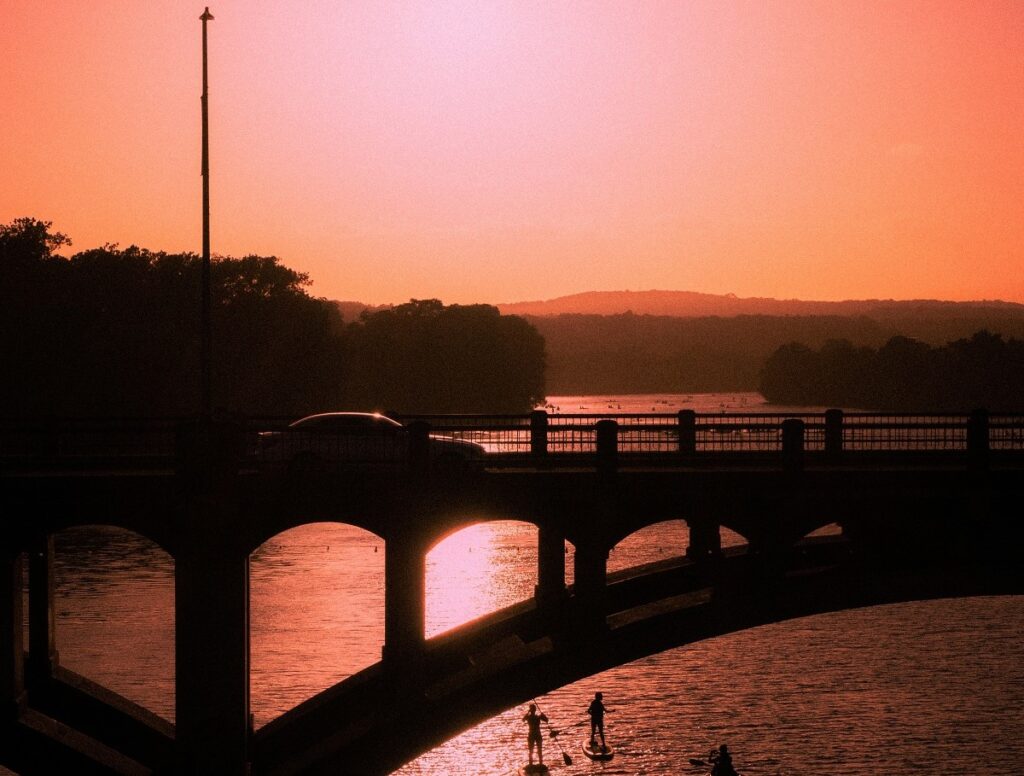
(929, 688)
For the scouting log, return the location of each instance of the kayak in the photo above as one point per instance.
(598, 752)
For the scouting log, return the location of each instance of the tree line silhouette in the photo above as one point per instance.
(983, 370)
(629, 353)
(115, 332)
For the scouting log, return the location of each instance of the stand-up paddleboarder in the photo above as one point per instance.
(533, 736)
(596, 711)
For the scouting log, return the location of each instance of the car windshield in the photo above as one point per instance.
(342, 421)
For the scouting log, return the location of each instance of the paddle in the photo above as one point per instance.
(695, 761)
(565, 756)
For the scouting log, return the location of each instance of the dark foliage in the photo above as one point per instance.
(115, 332)
(654, 354)
(904, 374)
(425, 357)
(661, 354)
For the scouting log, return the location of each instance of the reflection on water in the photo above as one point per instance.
(114, 601)
(477, 570)
(316, 613)
(933, 688)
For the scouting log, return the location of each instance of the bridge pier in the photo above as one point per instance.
(549, 592)
(705, 539)
(404, 599)
(212, 662)
(590, 569)
(12, 649)
(769, 545)
(42, 636)
(211, 608)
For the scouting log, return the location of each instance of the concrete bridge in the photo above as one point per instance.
(929, 506)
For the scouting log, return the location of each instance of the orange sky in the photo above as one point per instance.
(503, 151)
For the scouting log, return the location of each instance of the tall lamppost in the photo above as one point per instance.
(206, 337)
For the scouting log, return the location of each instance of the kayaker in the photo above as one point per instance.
(596, 711)
(722, 762)
(533, 736)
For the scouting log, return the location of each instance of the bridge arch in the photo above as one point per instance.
(476, 569)
(98, 592)
(658, 541)
(149, 526)
(262, 531)
(322, 577)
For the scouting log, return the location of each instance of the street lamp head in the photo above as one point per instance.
(207, 16)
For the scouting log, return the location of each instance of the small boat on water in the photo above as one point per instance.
(597, 751)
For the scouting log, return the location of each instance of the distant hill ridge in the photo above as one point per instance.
(691, 304)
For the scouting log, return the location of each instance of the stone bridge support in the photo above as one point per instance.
(705, 539)
(550, 590)
(42, 636)
(590, 570)
(12, 668)
(405, 570)
(211, 596)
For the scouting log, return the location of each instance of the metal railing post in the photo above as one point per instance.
(607, 432)
(977, 439)
(687, 422)
(419, 446)
(539, 435)
(792, 444)
(833, 434)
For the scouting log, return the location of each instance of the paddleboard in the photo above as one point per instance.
(534, 770)
(598, 752)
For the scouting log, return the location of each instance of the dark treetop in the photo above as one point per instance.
(904, 374)
(115, 332)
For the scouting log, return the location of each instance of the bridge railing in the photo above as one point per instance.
(497, 434)
(830, 436)
(1006, 432)
(918, 432)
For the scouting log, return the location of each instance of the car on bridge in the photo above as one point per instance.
(358, 439)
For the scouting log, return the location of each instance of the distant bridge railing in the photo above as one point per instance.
(831, 436)
(826, 436)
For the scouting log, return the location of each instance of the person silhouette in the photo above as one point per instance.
(722, 762)
(596, 711)
(533, 736)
